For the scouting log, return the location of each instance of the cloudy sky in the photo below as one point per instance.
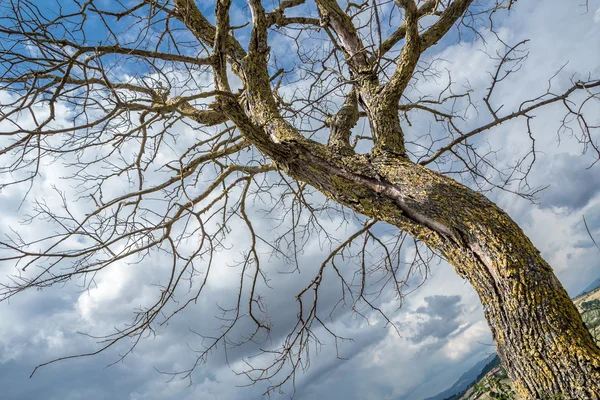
(442, 333)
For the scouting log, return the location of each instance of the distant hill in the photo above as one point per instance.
(589, 306)
(493, 364)
(587, 303)
(591, 287)
(464, 382)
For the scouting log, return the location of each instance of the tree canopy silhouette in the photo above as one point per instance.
(103, 89)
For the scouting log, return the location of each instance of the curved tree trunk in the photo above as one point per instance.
(539, 333)
(540, 336)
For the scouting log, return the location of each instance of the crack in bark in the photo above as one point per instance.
(506, 286)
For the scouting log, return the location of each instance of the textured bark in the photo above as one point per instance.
(539, 334)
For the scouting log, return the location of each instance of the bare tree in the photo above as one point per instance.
(102, 88)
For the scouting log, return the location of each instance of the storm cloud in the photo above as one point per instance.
(442, 319)
(379, 362)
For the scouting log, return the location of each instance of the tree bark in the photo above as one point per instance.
(540, 336)
(539, 333)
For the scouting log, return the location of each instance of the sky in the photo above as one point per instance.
(442, 329)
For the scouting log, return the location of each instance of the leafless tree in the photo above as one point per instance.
(103, 91)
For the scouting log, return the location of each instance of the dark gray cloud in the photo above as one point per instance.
(442, 317)
(572, 184)
(75, 381)
(590, 228)
(441, 306)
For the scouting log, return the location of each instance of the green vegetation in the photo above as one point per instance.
(591, 317)
(590, 305)
(494, 363)
(497, 386)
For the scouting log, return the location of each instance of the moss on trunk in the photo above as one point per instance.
(539, 334)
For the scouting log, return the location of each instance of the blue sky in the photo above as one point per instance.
(443, 332)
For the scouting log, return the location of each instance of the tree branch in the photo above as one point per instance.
(450, 15)
(203, 30)
(333, 16)
(343, 121)
(409, 56)
(427, 8)
(520, 113)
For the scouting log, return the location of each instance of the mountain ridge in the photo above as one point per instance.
(453, 394)
(465, 380)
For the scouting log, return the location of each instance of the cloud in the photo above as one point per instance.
(442, 317)
(572, 184)
(441, 334)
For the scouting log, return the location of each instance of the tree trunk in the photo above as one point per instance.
(539, 333)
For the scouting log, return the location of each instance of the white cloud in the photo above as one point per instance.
(463, 345)
(107, 291)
